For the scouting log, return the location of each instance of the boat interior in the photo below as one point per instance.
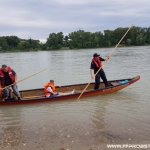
(66, 90)
(78, 88)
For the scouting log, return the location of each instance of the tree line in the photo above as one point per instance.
(79, 39)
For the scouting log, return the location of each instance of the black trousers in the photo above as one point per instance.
(101, 75)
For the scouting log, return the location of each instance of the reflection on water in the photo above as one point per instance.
(91, 123)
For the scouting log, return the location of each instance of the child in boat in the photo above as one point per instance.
(50, 90)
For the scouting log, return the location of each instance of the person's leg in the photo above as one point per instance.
(10, 93)
(97, 81)
(5, 93)
(15, 90)
(66, 93)
(54, 95)
(103, 76)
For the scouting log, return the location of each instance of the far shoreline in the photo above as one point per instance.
(65, 48)
(80, 39)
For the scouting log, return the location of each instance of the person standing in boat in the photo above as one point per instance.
(8, 77)
(50, 90)
(96, 64)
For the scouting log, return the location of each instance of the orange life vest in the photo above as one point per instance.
(48, 93)
(11, 75)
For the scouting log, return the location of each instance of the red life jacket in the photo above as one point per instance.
(47, 93)
(97, 63)
(11, 75)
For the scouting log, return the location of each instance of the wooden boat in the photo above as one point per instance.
(37, 95)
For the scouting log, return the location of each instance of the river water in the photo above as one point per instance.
(91, 123)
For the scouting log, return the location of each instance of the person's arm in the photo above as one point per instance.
(15, 78)
(92, 71)
(102, 59)
(14, 73)
(50, 90)
(92, 74)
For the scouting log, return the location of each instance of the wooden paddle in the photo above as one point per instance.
(24, 79)
(108, 57)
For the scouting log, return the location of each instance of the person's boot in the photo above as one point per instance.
(108, 85)
(96, 87)
(19, 98)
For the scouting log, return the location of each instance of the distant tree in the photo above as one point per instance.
(118, 34)
(108, 36)
(79, 39)
(140, 39)
(12, 41)
(98, 39)
(34, 44)
(76, 39)
(55, 41)
(82, 39)
(148, 35)
(133, 33)
(128, 42)
(24, 45)
(43, 46)
(66, 41)
(3, 43)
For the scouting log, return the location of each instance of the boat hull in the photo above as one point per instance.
(37, 99)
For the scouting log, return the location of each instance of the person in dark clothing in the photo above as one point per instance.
(96, 64)
(8, 77)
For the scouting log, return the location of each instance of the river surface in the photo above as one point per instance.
(91, 123)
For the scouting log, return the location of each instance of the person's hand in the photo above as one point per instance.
(108, 57)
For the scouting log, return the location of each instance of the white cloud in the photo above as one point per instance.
(37, 18)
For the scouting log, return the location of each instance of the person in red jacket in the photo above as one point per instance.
(8, 78)
(96, 64)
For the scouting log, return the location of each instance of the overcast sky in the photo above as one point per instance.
(38, 18)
